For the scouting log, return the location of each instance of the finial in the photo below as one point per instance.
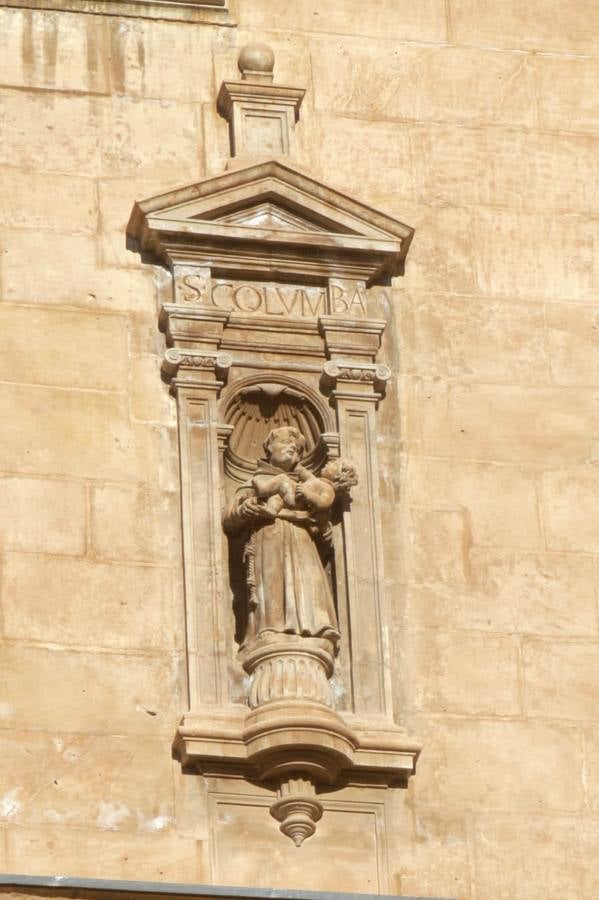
(261, 115)
(256, 63)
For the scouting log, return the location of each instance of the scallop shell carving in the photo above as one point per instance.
(256, 410)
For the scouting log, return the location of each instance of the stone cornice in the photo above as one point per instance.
(240, 91)
(61, 886)
(212, 12)
(337, 235)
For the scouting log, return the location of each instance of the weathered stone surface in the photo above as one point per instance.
(50, 51)
(128, 782)
(29, 201)
(350, 836)
(557, 853)
(147, 404)
(561, 679)
(436, 850)
(441, 541)
(442, 255)
(138, 49)
(554, 426)
(536, 271)
(30, 274)
(55, 346)
(99, 692)
(569, 503)
(550, 593)
(591, 759)
(42, 515)
(134, 522)
(514, 168)
(150, 138)
(491, 746)
(427, 21)
(567, 101)
(407, 82)
(29, 271)
(216, 140)
(100, 135)
(501, 500)
(510, 591)
(538, 25)
(52, 849)
(572, 345)
(464, 673)
(332, 153)
(114, 207)
(480, 339)
(86, 435)
(88, 603)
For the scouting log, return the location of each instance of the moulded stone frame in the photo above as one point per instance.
(322, 237)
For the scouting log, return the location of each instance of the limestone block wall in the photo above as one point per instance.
(475, 122)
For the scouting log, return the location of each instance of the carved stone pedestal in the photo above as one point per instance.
(292, 735)
(288, 667)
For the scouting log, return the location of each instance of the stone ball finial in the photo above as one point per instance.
(256, 62)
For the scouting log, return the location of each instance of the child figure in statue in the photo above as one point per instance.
(277, 492)
(284, 512)
(317, 494)
(307, 494)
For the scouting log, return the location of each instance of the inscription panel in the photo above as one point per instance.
(271, 299)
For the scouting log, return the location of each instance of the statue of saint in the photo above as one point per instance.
(284, 513)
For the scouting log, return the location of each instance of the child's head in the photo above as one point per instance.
(342, 474)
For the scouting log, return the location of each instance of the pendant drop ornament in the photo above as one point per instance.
(297, 809)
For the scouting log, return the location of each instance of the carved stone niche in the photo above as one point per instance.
(272, 357)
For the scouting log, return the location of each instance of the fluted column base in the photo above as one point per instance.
(289, 667)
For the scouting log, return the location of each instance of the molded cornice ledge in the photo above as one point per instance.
(269, 220)
(60, 886)
(211, 12)
(344, 748)
(232, 92)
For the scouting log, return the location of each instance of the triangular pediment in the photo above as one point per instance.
(269, 215)
(276, 206)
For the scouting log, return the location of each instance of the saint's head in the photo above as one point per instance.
(284, 447)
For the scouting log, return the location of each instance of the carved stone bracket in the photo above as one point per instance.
(355, 374)
(275, 740)
(190, 361)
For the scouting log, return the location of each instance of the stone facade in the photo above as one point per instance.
(477, 124)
